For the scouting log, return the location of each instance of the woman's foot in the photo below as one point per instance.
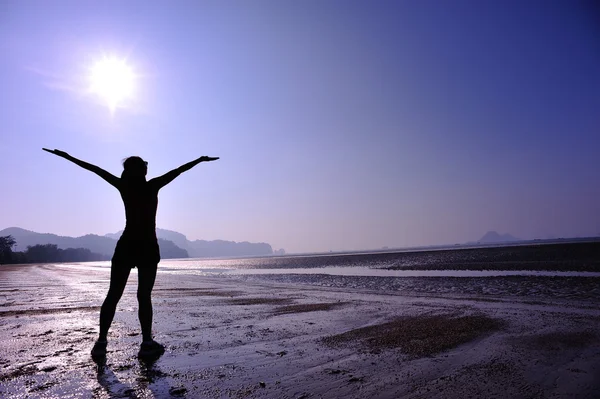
(151, 349)
(99, 349)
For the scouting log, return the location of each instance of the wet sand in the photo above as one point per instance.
(238, 338)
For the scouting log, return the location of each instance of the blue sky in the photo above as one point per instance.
(340, 124)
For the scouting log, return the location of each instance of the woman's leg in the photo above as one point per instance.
(146, 278)
(118, 280)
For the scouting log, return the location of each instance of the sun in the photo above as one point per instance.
(113, 80)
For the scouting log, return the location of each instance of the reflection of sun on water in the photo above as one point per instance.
(113, 80)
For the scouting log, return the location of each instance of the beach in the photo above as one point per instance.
(241, 337)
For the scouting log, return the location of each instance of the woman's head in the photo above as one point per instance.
(134, 167)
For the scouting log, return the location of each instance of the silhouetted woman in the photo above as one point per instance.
(138, 245)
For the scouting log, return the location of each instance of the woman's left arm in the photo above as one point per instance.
(168, 177)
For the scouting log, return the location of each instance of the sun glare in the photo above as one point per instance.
(113, 81)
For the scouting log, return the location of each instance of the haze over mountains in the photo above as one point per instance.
(172, 244)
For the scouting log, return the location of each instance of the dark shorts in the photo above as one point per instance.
(140, 253)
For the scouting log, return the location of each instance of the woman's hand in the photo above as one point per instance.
(208, 159)
(56, 152)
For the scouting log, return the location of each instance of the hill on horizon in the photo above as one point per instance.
(210, 249)
(172, 244)
(493, 237)
(95, 243)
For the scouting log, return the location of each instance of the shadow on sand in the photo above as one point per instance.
(146, 379)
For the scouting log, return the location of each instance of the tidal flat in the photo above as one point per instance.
(230, 337)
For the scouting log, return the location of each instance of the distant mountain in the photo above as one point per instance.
(168, 250)
(179, 239)
(25, 238)
(492, 237)
(211, 249)
(97, 244)
(218, 248)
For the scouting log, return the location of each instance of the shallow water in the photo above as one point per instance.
(212, 268)
(373, 272)
(415, 264)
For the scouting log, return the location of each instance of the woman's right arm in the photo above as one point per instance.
(109, 177)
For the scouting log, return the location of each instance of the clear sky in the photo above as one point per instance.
(340, 124)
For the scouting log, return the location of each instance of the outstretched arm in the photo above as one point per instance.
(168, 177)
(112, 179)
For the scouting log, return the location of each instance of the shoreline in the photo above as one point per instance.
(562, 255)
